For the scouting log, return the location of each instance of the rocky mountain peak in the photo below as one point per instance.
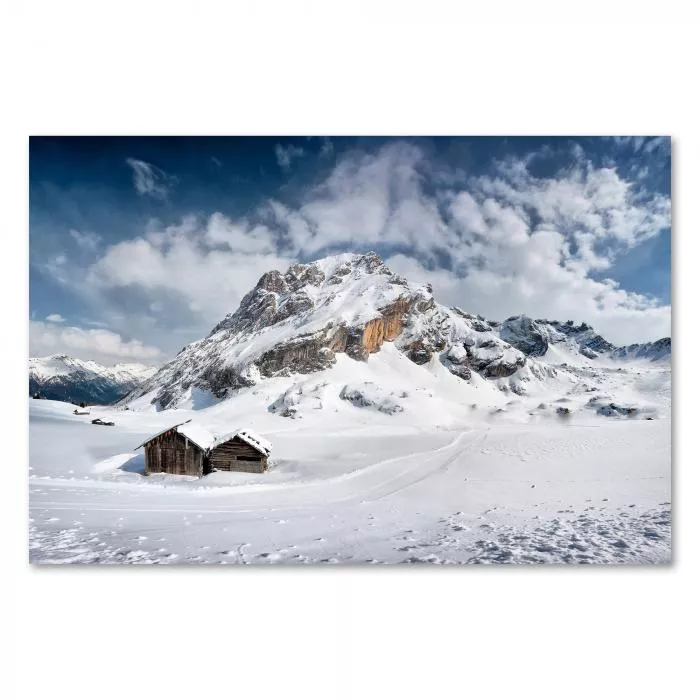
(302, 288)
(529, 336)
(297, 322)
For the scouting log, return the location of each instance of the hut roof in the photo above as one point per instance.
(197, 434)
(160, 432)
(253, 439)
(206, 441)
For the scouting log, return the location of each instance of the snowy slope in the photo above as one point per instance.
(504, 479)
(65, 378)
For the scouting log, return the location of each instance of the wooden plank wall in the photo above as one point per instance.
(236, 455)
(172, 453)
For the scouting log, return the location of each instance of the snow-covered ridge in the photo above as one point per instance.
(659, 350)
(67, 378)
(298, 322)
(61, 365)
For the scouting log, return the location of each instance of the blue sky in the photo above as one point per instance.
(140, 245)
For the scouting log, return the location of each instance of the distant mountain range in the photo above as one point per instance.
(296, 323)
(64, 378)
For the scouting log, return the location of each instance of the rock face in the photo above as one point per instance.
(297, 322)
(493, 358)
(584, 336)
(358, 343)
(604, 407)
(369, 395)
(528, 336)
(305, 354)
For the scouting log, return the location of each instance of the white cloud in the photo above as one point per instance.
(87, 241)
(88, 344)
(286, 154)
(369, 199)
(208, 265)
(55, 318)
(515, 243)
(150, 180)
(55, 267)
(595, 200)
(499, 244)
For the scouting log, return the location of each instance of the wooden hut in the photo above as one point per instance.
(242, 451)
(189, 449)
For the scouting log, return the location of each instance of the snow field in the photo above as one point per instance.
(463, 473)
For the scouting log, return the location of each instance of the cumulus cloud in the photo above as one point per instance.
(55, 318)
(504, 242)
(150, 180)
(286, 154)
(88, 344)
(501, 243)
(369, 199)
(208, 265)
(588, 199)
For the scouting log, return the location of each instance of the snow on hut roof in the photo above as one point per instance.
(253, 439)
(197, 434)
(160, 432)
(205, 440)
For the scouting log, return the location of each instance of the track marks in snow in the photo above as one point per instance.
(625, 536)
(600, 538)
(77, 546)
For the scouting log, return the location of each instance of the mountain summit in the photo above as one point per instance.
(298, 322)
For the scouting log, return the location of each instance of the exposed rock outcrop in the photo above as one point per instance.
(369, 395)
(503, 368)
(305, 354)
(526, 335)
(494, 358)
(419, 352)
(220, 379)
(583, 335)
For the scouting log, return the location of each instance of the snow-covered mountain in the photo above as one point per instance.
(303, 321)
(65, 378)
(659, 350)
